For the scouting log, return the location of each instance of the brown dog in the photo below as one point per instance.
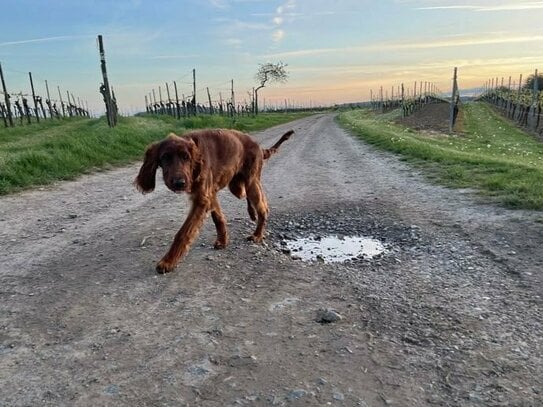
(201, 163)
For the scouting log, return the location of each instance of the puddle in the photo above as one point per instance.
(333, 249)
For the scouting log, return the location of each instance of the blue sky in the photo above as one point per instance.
(336, 50)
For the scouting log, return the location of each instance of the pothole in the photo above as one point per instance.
(333, 249)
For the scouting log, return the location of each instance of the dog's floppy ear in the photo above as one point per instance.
(197, 160)
(145, 181)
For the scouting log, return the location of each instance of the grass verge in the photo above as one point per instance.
(492, 155)
(42, 153)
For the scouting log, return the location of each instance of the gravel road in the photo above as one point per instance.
(450, 315)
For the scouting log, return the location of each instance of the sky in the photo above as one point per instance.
(337, 51)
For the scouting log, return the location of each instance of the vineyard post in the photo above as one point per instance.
(160, 99)
(106, 89)
(48, 98)
(146, 105)
(178, 113)
(69, 104)
(6, 98)
(535, 98)
(453, 106)
(403, 100)
(232, 99)
(509, 98)
(34, 98)
(518, 99)
(194, 91)
(209, 99)
(170, 111)
(61, 102)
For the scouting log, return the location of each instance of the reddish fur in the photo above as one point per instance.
(207, 161)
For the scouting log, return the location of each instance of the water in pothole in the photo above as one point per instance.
(333, 249)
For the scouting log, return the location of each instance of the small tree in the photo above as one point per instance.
(269, 72)
(529, 85)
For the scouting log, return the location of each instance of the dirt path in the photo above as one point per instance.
(450, 315)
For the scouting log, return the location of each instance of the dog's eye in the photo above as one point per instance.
(165, 159)
(183, 155)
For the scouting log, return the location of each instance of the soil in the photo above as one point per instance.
(434, 119)
(449, 315)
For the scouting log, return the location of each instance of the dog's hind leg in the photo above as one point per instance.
(220, 224)
(237, 187)
(257, 200)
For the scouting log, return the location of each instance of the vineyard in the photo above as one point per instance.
(412, 100)
(26, 107)
(523, 105)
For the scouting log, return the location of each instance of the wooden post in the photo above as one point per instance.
(6, 98)
(209, 99)
(453, 106)
(61, 102)
(535, 93)
(518, 98)
(535, 98)
(403, 101)
(232, 99)
(48, 98)
(194, 91)
(111, 119)
(160, 99)
(178, 113)
(169, 100)
(34, 98)
(69, 104)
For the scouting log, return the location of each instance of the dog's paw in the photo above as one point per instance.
(255, 239)
(164, 267)
(220, 244)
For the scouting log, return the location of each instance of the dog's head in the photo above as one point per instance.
(179, 159)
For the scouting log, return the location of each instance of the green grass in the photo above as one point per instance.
(492, 155)
(53, 150)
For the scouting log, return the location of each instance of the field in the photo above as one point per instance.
(52, 150)
(489, 154)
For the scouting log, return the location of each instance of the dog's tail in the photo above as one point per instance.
(268, 152)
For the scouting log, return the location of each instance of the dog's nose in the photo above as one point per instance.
(179, 184)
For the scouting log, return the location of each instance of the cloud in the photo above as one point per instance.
(502, 7)
(456, 41)
(46, 39)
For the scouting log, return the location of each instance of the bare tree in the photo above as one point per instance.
(269, 72)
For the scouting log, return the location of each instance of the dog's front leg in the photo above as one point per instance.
(184, 238)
